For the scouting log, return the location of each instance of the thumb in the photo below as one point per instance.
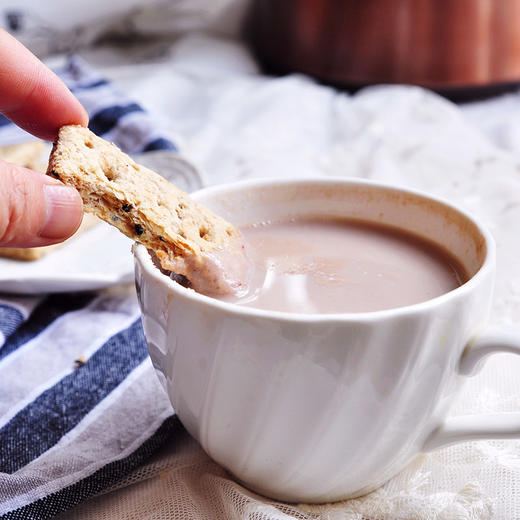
(35, 210)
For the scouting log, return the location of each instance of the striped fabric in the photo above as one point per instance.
(112, 115)
(80, 406)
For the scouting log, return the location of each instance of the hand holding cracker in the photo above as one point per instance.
(187, 237)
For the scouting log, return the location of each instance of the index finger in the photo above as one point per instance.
(31, 95)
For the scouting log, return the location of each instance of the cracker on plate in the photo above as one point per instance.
(30, 155)
(34, 253)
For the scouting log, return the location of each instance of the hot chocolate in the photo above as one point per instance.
(335, 266)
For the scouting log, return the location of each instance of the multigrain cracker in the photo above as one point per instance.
(27, 254)
(28, 154)
(139, 202)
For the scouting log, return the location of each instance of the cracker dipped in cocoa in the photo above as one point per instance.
(187, 238)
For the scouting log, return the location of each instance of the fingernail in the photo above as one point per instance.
(63, 211)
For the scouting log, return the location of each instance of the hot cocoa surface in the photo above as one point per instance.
(338, 266)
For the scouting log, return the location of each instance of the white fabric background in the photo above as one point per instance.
(236, 123)
(64, 26)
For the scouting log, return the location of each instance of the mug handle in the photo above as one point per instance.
(504, 425)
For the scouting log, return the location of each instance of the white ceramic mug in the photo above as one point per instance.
(317, 408)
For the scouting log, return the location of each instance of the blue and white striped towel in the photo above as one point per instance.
(112, 115)
(80, 406)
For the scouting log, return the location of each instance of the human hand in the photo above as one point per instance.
(35, 210)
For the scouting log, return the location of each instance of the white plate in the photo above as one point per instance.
(97, 258)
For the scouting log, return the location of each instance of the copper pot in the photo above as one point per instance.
(442, 44)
